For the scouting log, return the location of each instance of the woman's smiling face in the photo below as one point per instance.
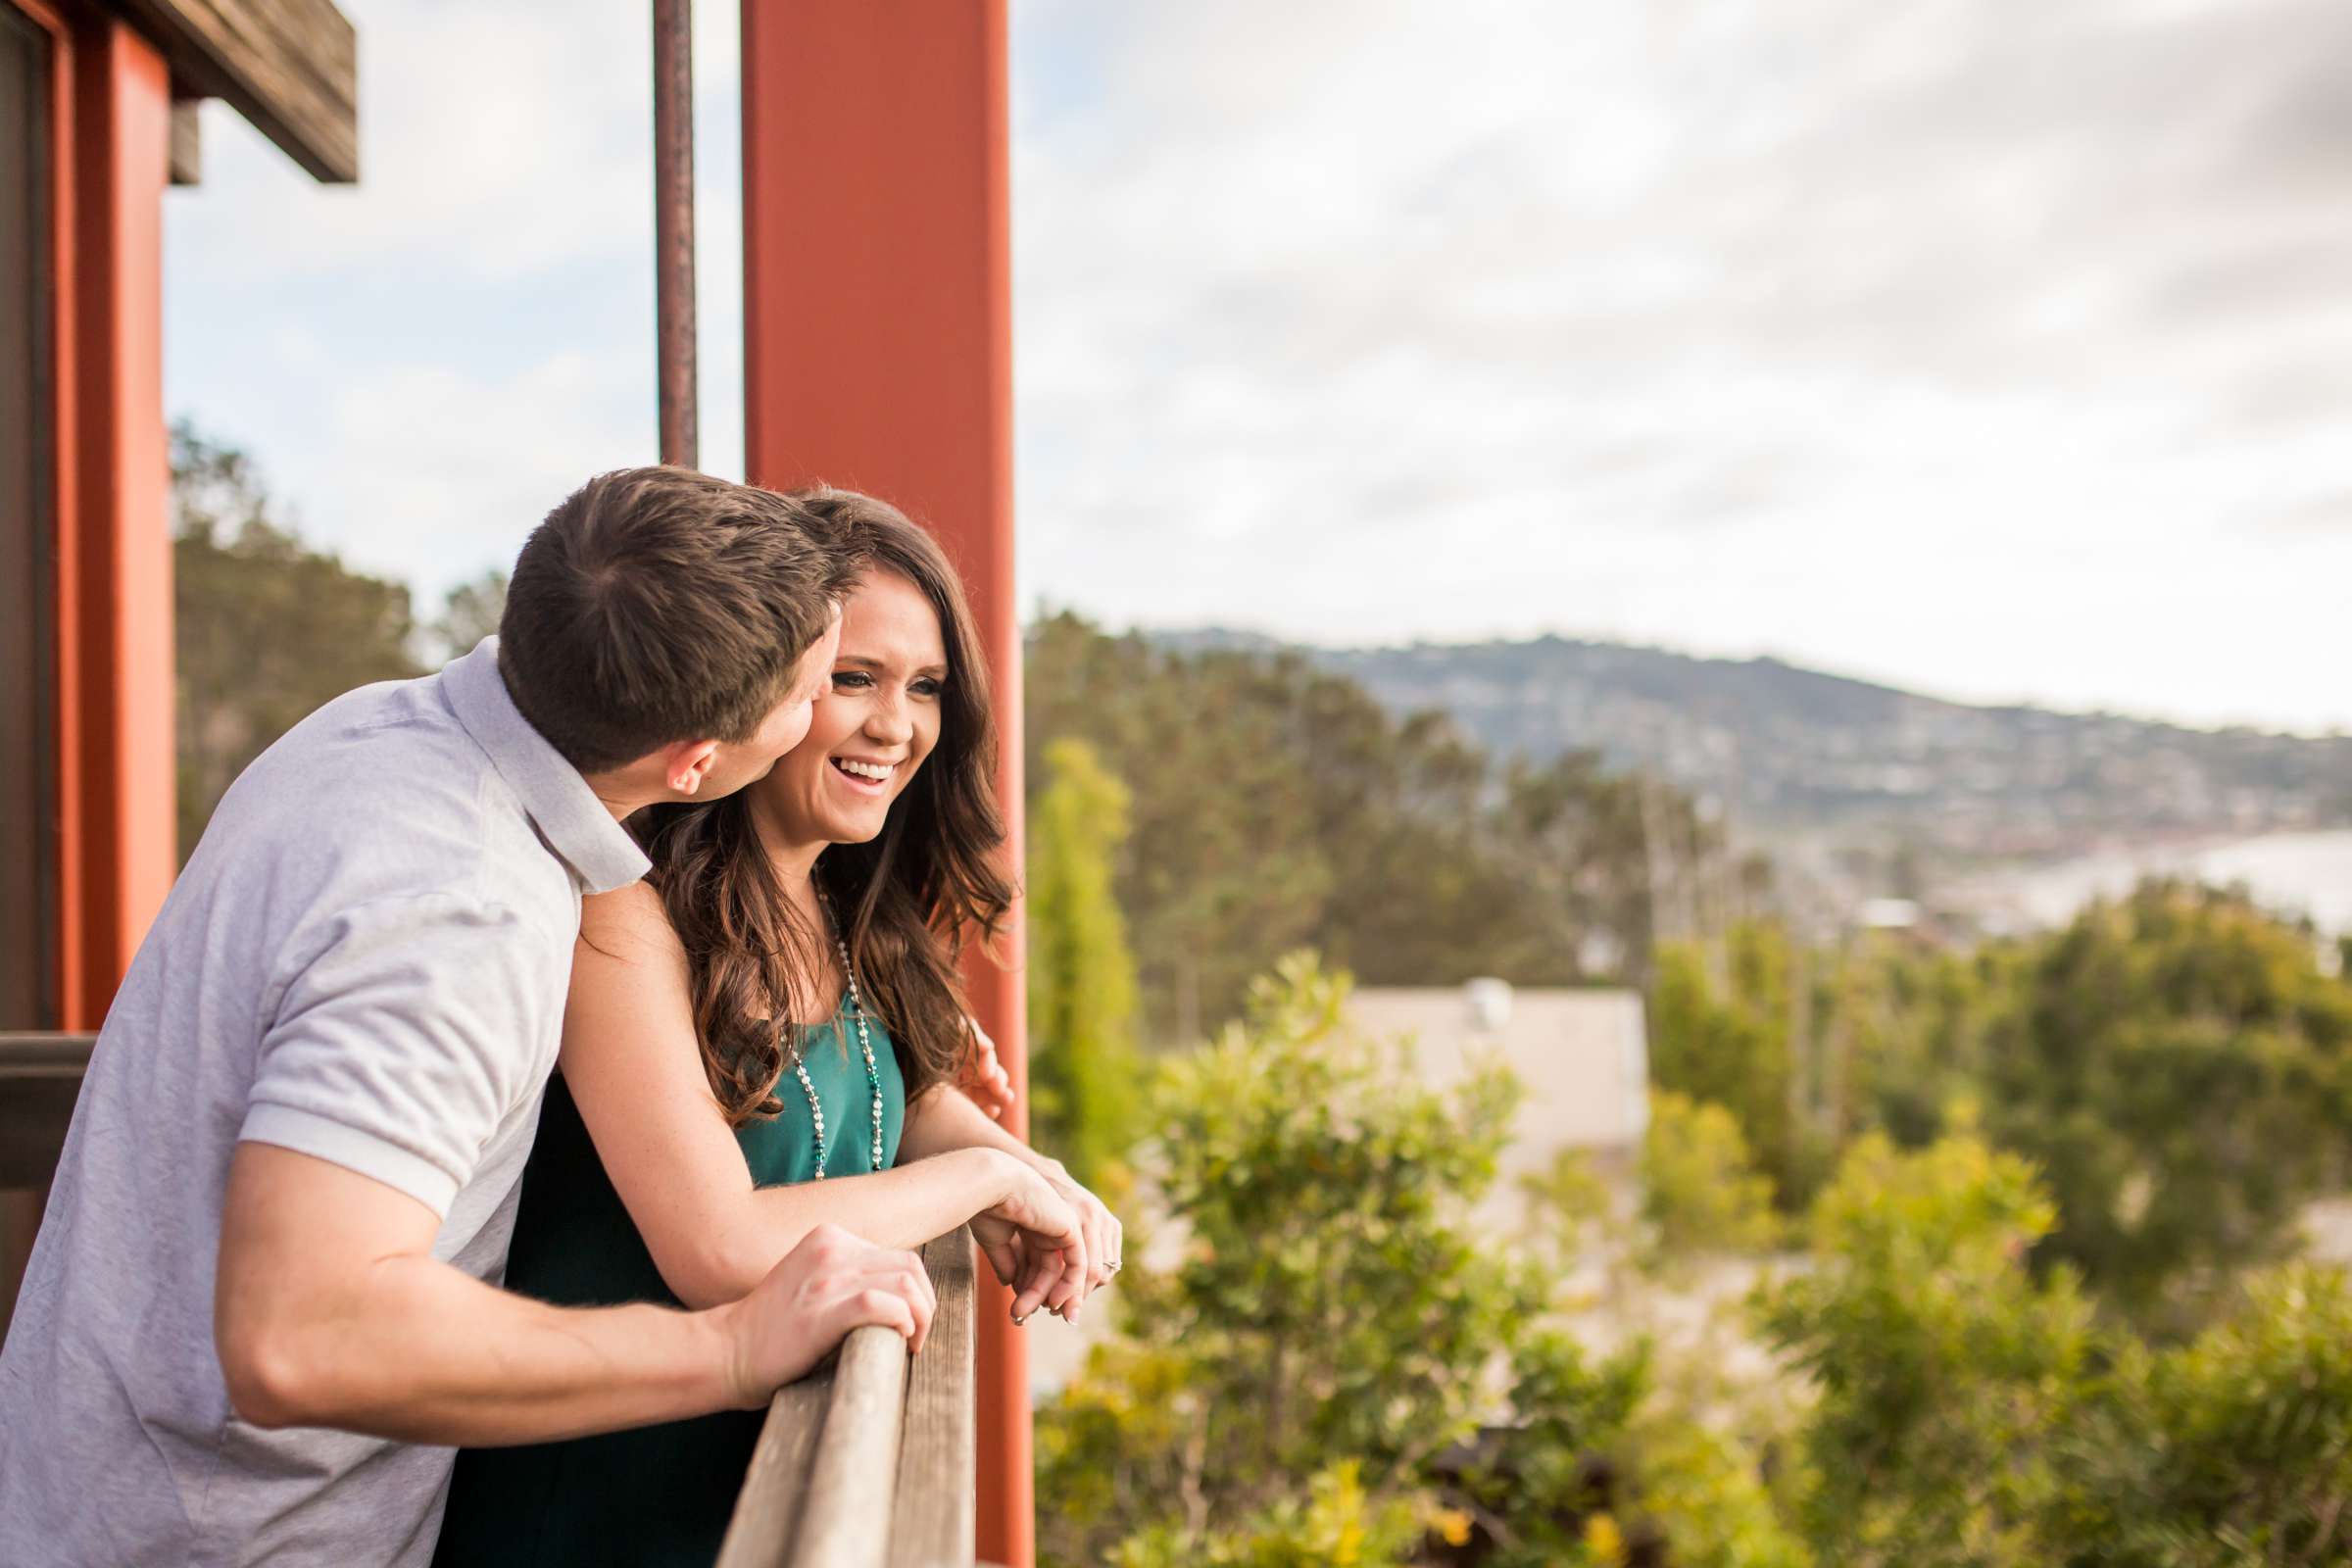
(873, 728)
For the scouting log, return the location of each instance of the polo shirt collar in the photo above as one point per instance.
(574, 824)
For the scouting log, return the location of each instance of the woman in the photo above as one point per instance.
(690, 1141)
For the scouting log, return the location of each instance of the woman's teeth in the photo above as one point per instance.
(878, 772)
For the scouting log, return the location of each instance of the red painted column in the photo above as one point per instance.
(117, 765)
(878, 355)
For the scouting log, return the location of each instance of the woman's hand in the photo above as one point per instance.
(1104, 1237)
(984, 1081)
(1034, 1241)
(830, 1283)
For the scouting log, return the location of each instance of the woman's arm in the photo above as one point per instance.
(946, 1121)
(633, 1067)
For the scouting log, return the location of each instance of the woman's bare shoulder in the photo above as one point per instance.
(629, 923)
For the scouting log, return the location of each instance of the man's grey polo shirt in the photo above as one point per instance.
(364, 960)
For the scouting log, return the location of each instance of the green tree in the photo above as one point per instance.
(1728, 1044)
(2176, 1065)
(1700, 1194)
(1337, 1522)
(265, 629)
(1911, 1029)
(2234, 1448)
(1276, 804)
(1085, 1073)
(1218, 875)
(1947, 1377)
(1600, 853)
(471, 614)
(1332, 1308)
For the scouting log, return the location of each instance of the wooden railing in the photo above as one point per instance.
(868, 1463)
(39, 1077)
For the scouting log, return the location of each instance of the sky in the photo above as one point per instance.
(1998, 352)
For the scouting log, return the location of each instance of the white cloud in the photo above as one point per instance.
(1978, 348)
(495, 140)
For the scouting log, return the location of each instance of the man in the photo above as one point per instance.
(263, 1302)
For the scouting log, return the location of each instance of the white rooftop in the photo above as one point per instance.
(1582, 1058)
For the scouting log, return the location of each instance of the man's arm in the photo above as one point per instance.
(330, 1310)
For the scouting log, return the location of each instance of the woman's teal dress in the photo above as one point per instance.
(661, 1496)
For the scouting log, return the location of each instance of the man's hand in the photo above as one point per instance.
(983, 1080)
(831, 1283)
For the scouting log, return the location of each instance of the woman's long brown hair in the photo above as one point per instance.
(911, 899)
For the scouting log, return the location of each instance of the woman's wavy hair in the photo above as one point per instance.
(910, 899)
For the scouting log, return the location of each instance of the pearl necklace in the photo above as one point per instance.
(873, 1074)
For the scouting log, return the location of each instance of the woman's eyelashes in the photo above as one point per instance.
(862, 680)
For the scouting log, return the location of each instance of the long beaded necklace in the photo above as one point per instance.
(873, 1073)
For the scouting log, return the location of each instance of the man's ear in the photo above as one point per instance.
(685, 763)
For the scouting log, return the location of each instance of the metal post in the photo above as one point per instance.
(673, 226)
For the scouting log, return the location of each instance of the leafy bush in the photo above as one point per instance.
(1946, 1374)
(1339, 1368)
(1333, 1308)
(2234, 1448)
(1700, 1194)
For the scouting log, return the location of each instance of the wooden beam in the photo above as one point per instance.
(188, 142)
(290, 67)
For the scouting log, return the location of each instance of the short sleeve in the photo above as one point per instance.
(401, 1046)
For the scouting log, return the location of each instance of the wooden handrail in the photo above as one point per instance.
(43, 1050)
(868, 1463)
(41, 1074)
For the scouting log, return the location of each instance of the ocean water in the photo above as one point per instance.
(2296, 874)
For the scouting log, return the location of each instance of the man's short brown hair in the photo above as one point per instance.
(661, 605)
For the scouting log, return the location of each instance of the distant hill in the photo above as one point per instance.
(1793, 751)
